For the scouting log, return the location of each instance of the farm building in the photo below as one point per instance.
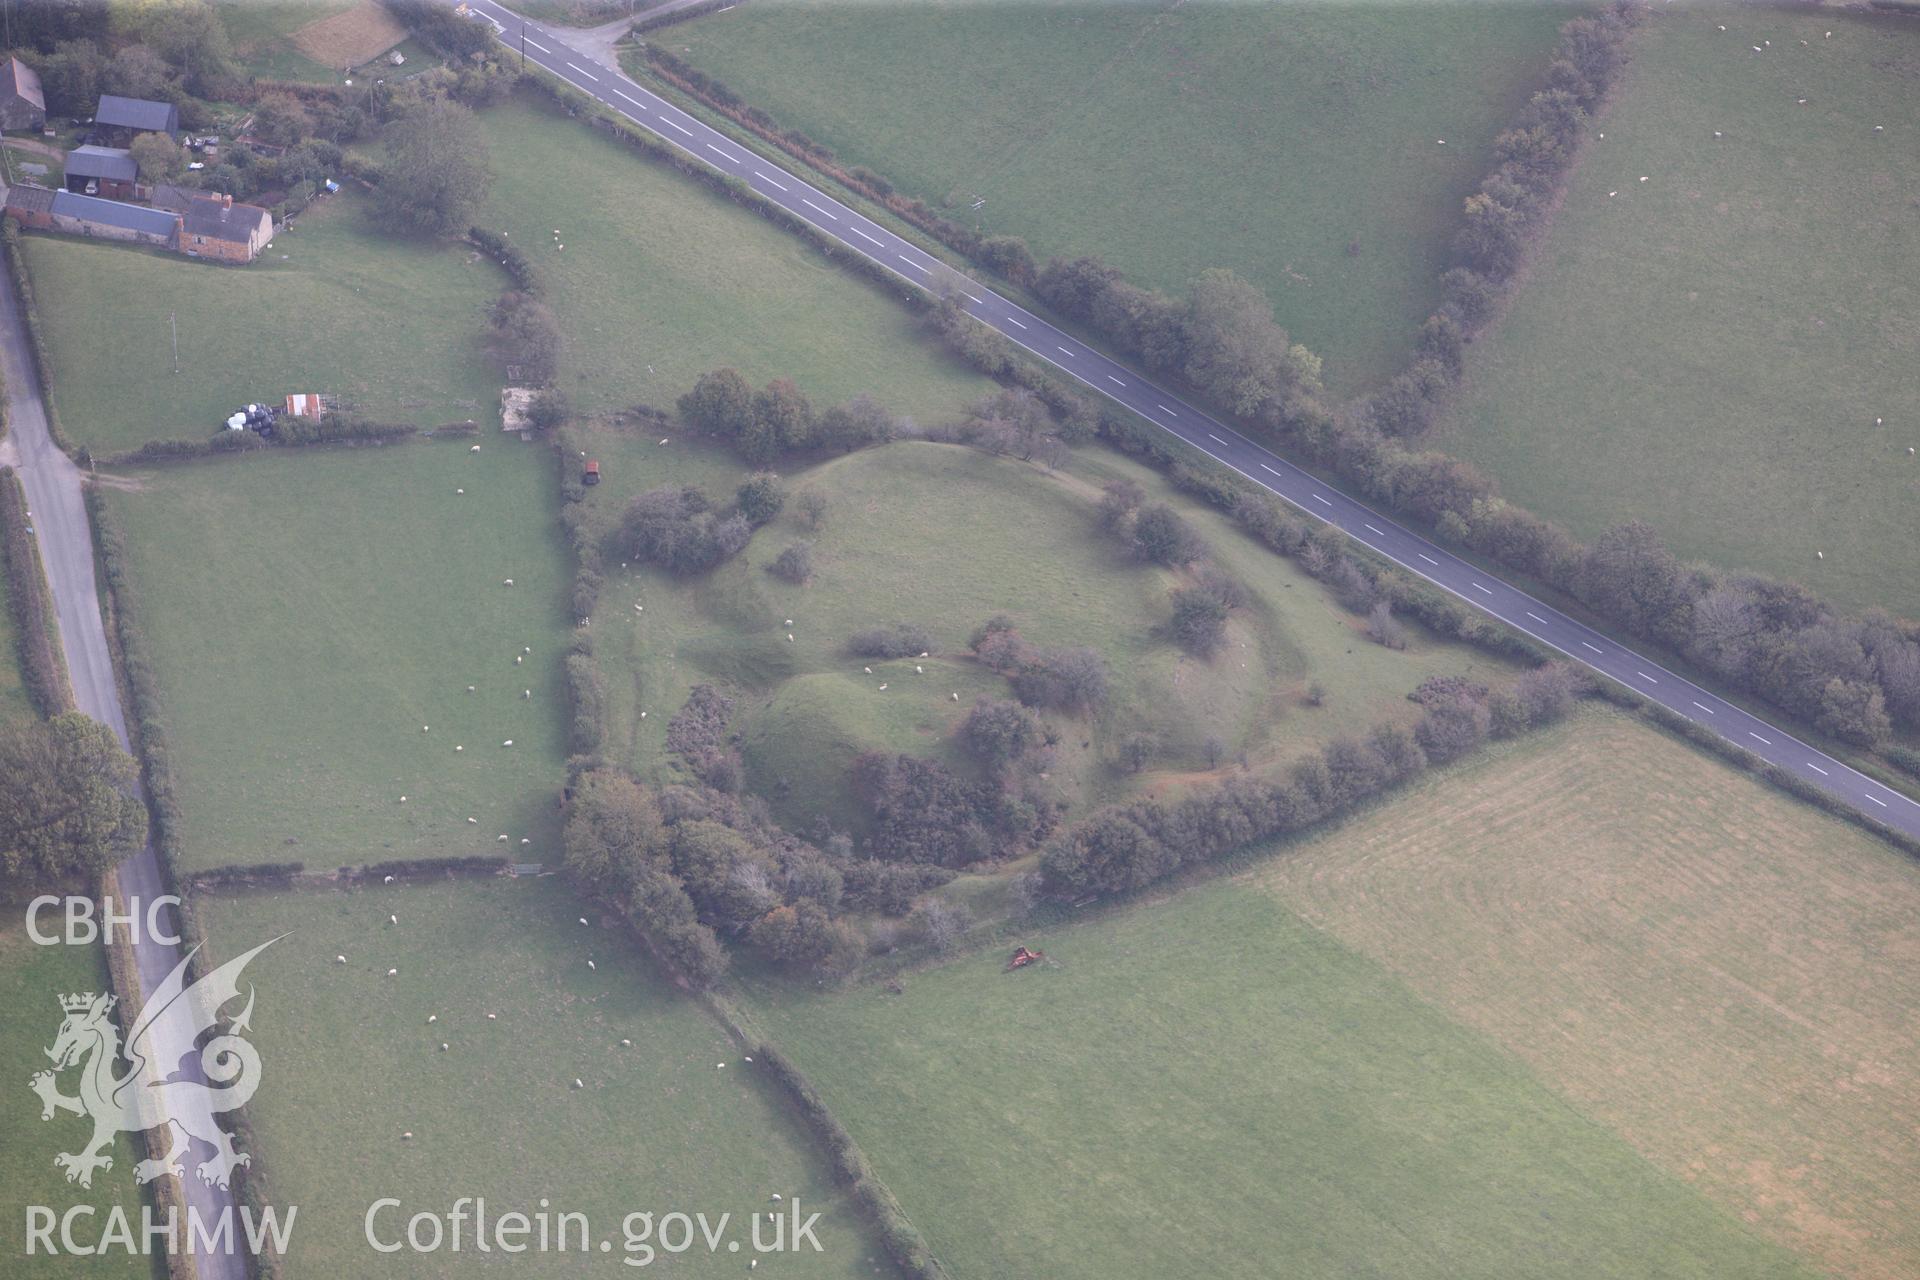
(305, 405)
(217, 227)
(44, 209)
(104, 171)
(121, 118)
(22, 105)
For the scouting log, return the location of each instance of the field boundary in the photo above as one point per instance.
(36, 339)
(38, 633)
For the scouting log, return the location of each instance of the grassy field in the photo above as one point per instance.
(32, 980)
(351, 1064)
(1209, 1086)
(332, 306)
(946, 537)
(309, 612)
(1723, 976)
(661, 281)
(283, 40)
(1170, 138)
(1709, 350)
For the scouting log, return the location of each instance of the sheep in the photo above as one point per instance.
(518, 659)
(528, 649)
(883, 687)
(868, 670)
(1612, 194)
(578, 1083)
(458, 747)
(425, 727)
(643, 715)
(1879, 128)
(956, 697)
(475, 449)
(593, 966)
(469, 688)
(719, 1066)
(663, 439)
(502, 838)
(443, 1046)
(403, 799)
(507, 583)
(393, 973)
(747, 1059)
(776, 1197)
(407, 1136)
(432, 1018)
(493, 1017)
(393, 919)
(526, 693)
(789, 622)
(525, 840)
(339, 959)
(473, 822)
(583, 923)
(1910, 451)
(1440, 142)
(626, 1044)
(507, 743)
(1829, 35)
(919, 670)
(1879, 422)
(1756, 48)
(460, 491)
(387, 880)
(1819, 555)
(1643, 177)
(1723, 26)
(789, 637)
(1718, 134)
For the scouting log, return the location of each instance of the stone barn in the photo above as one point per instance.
(22, 105)
(44, 209)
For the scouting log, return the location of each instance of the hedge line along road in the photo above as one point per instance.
(53, 487)
(608, 86)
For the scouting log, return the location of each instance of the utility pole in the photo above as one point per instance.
(173, 322)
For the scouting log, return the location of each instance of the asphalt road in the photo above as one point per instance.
(53, 487)
(1117, 382)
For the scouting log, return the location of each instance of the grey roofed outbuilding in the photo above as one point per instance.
(114, 213)
(114, 163)
(138, 114)
(22, 81)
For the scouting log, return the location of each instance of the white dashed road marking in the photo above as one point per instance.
(1429, 559)
(1757, 738)
(1704, 707)
(1318, 498)
(1594, 647)
(1381, 532)
(863, 235)
(1644, 676)
(1015, 323)
(817, 209)
(1265, 467)
(677, 125)
(1478, 586)
(1817, 769)
(764, 178)
(583, 71)
(717, 151)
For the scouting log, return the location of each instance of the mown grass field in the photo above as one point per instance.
(274, 40)
(32, 980)
(946, 537)
(1721, 975)
(1170, 138)
(1207, 1085)
(352, 1063)
(1709, 350)
(309, 612)
(391, 327)
(661, 280)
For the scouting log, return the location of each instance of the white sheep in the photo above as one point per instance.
(789, 637)
(339, 959)
(509, 581)
(475, 449)
(593, 966)
(923, 653)
(528, 649)
(776, 1197)
(626, 1044)
(868, 670)
(718, 1066)
(457, 747)
(407, 1136)
(459, 491)
(393, 973)
(387, 880)
(663, 439)
(393, 919)
(919, 670)
(956, 697)
(883, 687)
(443, 1046)
(525, 840)
(403, 799)
(1819, 555)
(432, 1018)
(507, 743)
(583, 922)
(789, 622)
(578, 1083)
(425, 727)
(503, 837)
(518, 659)
(493, 1017)
(469, 688)
(473, 822)
(526, 693)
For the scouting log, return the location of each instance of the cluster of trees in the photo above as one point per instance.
(1123, 847)
(779, 419)
(435, 176)
(1499, 217)
(894, 640)
(523, 337)
(680, 530)
(922, 812)
(176, 53)
(690, 865)
(1072, 679)
(1157, 534)
(1222, 340)
(68, 809)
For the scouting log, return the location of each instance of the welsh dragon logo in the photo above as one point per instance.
(151, 1092)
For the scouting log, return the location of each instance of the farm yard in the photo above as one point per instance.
(660, 280)
(1298, 145)
(1722, 976)
(300, 319)
(309, 613)
(32, 980)
(946, 537)
(1208, 1085)
(1722, 349)
(655, 1127)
